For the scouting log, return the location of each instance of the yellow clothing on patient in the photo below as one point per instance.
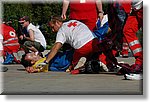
(40, 66)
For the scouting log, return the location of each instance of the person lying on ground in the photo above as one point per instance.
(32, 62)
(87, 47)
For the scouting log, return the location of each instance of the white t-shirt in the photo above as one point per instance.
(39, 37)
(1, 42)
(74, 33)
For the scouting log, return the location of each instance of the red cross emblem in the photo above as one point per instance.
(72, 24)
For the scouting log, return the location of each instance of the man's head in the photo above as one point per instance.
(30, 59)
(55, 23)
(25, 21)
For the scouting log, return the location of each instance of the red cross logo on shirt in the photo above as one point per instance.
(72, 24)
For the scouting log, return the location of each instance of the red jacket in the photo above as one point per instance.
(10, 39)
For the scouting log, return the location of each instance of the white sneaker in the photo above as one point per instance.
(133, 76)
(80, 63)
(102, 65)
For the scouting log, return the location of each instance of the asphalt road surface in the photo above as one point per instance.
(16, 81)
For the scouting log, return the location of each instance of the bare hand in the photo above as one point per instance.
(100, 16)
(31, 70)
(63, 16)
(24, 35)
(21, 37)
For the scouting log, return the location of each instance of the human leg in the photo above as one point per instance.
(86, 51)
(129, 31)
(125, 48)
(34, 46)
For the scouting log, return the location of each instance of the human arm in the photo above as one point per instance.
(64, 9)
(53, 51)
(38, 66)
(31, 34)
(30, 69)
(21, 37)
(100, 9)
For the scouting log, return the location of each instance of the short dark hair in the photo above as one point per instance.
(24, 62)
(56, 18)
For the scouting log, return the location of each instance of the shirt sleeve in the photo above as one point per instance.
(1, 36)
(30, 27)
(61, 37)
